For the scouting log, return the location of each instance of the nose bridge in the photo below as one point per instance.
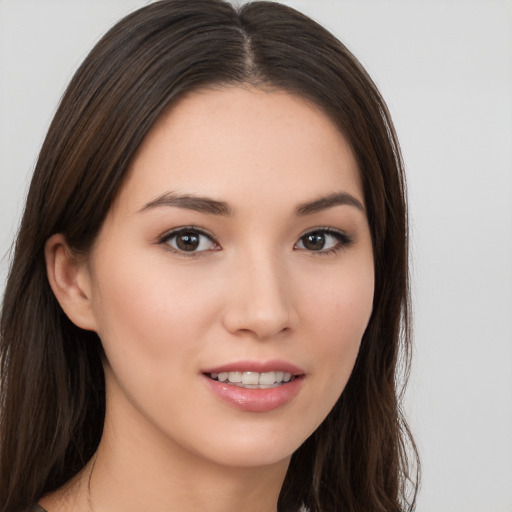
(259, 294)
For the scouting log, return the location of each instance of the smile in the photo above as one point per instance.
(255, 386)
(253, 380)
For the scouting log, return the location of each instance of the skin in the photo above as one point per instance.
(252, 291)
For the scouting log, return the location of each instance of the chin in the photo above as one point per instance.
(258, 445)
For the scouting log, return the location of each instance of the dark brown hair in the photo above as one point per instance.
(52, 383)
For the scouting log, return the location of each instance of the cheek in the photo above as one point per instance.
(151, 308)
(339, 315)
(342, 302)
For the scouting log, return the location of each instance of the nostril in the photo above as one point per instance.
(258, 321)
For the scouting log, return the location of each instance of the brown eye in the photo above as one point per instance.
(313, 241)
(190, 241)
(323, 241)
(187, 241)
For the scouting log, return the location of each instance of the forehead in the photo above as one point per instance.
(234, 142)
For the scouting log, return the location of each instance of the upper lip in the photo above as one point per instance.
(256, 366)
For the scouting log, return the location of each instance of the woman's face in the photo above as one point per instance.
(232, 280)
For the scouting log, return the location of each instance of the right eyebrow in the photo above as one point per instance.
(190, 202)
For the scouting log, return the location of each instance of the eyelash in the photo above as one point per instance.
(343, 240)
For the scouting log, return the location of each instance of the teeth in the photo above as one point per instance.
(250, 378)
(235, 377)
(253, 379)
(267, 378)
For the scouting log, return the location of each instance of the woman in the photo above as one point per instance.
(208, 298)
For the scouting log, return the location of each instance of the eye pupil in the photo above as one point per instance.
(314, 241)
(187, 241)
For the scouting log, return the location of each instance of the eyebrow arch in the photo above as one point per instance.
(322, 203)
(199, 204)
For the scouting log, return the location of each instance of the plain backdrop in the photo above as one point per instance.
(445, 69)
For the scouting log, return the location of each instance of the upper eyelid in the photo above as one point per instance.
(324, 229)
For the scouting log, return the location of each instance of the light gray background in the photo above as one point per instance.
(445, 68)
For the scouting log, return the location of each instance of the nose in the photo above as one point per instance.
(259, 298)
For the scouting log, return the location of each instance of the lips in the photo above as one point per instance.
(255, 386)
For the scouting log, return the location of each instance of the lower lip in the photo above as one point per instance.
(255, 400)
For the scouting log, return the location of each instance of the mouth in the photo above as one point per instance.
(255, 386)
(253, 380)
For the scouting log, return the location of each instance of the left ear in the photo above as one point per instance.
(70, 280)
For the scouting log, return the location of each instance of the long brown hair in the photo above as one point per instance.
(52, 383)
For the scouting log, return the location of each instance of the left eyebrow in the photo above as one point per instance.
(322, 203)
